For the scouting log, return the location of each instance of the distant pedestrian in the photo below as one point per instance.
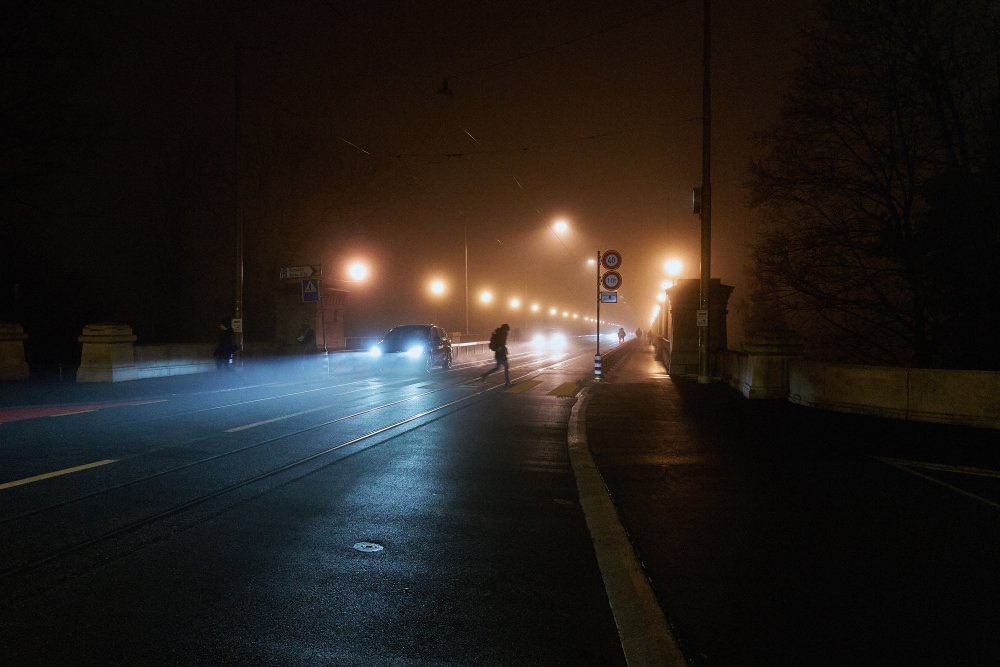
(498, 343)
(226, 348)
(307, 338)
(621, 335)
(638, 334)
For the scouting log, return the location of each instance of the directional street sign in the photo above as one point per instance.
(611, 280)
(612, 259)
(609, 297)
(310, 290)
(297, 272)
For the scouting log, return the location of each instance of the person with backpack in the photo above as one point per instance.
(498, 343)
(226, 349)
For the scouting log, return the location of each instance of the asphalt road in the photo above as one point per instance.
(283, 517)
(287, 519)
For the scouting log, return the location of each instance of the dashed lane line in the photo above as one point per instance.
(56, 473)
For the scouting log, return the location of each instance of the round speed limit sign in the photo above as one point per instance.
(611, 280)
(611, 260)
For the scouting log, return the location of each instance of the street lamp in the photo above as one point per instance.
(673, 267)
(437, 287)
(358, 271)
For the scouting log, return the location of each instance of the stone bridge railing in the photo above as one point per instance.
(772, 367)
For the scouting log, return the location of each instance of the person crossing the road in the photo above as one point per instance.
(498, 343)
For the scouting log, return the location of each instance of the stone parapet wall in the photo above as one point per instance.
(175, 359)
(107, 354)
(970, 398)
(13, 362)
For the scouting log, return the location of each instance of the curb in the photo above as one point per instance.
(645, 636)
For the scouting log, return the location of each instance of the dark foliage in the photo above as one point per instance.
(878, 186)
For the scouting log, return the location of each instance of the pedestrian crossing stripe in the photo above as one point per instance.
(522, 387)
(567, 389)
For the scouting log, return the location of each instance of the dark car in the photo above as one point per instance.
(413, 346)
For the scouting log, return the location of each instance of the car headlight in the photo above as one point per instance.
(557, 342)
(415, 351)
(376, 351)
(538, 342)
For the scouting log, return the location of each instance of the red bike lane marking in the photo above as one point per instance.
(14, 414)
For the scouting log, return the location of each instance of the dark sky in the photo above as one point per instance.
(578, 108)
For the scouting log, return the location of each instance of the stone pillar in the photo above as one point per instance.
(769, 354)
(13, 364)
(108, 354)
(682, 326)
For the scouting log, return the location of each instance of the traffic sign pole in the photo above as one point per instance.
(611, 281)
(597, 355)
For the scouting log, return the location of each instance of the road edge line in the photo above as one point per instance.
(645, 636)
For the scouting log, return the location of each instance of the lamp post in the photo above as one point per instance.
(706, 203)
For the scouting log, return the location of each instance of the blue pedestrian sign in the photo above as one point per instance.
(310, 290)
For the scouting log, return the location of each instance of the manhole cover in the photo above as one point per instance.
(368, 547)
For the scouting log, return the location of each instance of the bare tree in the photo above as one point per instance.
(876, 186)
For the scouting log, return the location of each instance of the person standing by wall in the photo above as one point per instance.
(226, 348)
(307, 338)
(498, 343)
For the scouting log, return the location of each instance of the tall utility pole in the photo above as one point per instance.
(237, 217)
(704, 307)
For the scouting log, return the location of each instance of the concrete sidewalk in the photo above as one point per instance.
(776, 534)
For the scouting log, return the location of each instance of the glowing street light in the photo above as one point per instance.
(437, 287)
(486, 296)
(673, 267)
(553, 311)
(560, 226)
(357, 271)
(515, 303)
(535, 307)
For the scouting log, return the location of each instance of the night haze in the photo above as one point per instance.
(392, 133)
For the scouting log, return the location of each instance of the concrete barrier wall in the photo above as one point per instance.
(970, 398)
(177, 359)
(13, 362)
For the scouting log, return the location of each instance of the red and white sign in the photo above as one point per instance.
(611, 281)
(611, 260)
